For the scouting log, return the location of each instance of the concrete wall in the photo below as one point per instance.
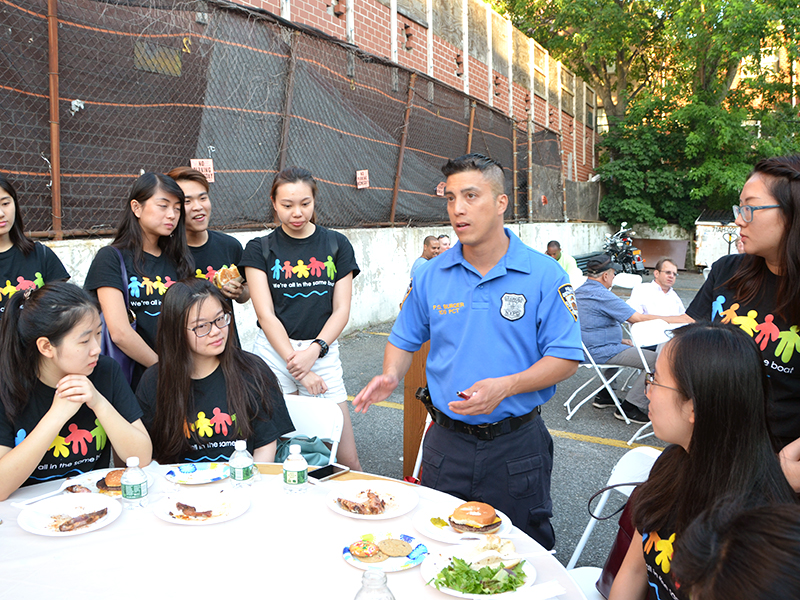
(384, 255)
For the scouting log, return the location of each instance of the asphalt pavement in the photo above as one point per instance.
(586, 447)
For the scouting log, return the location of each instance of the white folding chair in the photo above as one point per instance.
(598, 373)
(633, 467)
(418, 462)
(316, 417)
(627, 280)
(649, 333)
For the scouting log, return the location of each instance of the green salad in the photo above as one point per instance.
(459, 576)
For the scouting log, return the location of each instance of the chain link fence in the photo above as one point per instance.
(149, 85)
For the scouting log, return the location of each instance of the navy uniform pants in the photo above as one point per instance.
(511, 472)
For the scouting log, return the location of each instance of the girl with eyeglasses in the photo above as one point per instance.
(759, 291)
(63, 406)
(205, 392)
(708, 399)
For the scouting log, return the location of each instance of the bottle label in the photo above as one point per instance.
(134, 491)
(295, 477)
(243, 473)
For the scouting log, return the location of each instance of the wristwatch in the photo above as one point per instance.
(323, 345)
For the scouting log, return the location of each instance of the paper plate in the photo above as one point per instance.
(422, 523)
(438, 561)
(89, 480)
(44, 518)
(196, 474)
(224, 505)
(394, 563)
(399, 498)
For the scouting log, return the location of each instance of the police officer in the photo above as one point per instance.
(503, 327)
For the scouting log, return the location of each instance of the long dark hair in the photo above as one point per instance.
(51, 312)
(248, 380)
(782, 178)
(129, 232)
(732, 553)
(719, 369)
(17, 233)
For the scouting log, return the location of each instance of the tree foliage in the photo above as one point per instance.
(684, 129)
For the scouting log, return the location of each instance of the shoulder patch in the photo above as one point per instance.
(513, 306)
(568, 298)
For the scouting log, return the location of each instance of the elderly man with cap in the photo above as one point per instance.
(602, 312)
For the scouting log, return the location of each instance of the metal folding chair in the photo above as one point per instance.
(633, 467)
(606, 383)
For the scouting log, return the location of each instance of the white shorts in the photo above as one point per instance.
(329, 368)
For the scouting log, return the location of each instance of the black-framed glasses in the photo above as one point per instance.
(747, 211)
(649, 380)
(204, 329)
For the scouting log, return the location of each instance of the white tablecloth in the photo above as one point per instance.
(284, 546)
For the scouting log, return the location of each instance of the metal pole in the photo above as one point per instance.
(471, 125)
(403, 138)
(530, 168)
(514, 175)
(55, 152)
(287, 106)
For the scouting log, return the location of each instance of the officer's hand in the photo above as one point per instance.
(485, 396)
(377, 390)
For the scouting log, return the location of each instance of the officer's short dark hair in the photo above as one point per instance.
(491, 169)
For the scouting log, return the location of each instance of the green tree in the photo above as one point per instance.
(683, 131)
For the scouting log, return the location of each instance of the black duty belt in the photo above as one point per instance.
(484, 431)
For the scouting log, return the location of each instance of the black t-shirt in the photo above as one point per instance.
(778, 340)
(214, 423)
(145, 290)
(220, 250)
(82, 444)
(301, 275)
(20, 272)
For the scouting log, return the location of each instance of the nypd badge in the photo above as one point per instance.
(513, 306)
(568, 298)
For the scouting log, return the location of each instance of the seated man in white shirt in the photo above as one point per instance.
(657, 297)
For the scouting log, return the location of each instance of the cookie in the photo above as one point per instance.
(393, 547)
(362, 549)
(375, 558)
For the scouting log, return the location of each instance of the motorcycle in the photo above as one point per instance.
(620, 247)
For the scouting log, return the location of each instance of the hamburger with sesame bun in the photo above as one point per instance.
(475, 517)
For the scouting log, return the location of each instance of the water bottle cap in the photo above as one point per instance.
(133, 461)
(294, 449)
(240, 445)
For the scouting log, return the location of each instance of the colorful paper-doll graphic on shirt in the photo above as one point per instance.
(660, 550)
(773, 343)
(303, 278)
(211, 430)
(72, 447)
(21, 285)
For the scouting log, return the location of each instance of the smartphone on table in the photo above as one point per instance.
(328, 472)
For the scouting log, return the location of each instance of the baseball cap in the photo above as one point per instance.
(600, 263)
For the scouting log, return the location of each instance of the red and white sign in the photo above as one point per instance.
(440, 188)
(205, 166)
(362, 179)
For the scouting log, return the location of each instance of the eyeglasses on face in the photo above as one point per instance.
(204, 329)
(746, 211)
(649, 380)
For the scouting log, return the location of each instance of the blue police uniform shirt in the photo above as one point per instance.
(489, 326)
(602, 311)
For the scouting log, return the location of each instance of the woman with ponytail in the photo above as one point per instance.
(62, 405)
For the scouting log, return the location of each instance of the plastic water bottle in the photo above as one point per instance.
(243, 469)
(295, 471)
(134, 485)
(373, 586)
